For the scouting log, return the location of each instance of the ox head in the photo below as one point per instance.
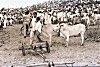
(56, 27)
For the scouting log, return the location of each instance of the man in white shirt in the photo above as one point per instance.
(26, 23)
(34, 21)
(36, 27)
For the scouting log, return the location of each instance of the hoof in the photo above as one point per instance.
(82, 44)
(66, 45)
(24, 36)
(85, 38)
(50, 45)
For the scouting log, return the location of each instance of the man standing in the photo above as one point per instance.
(26, 22)
(36, 28)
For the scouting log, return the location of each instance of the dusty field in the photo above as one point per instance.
(10, 42)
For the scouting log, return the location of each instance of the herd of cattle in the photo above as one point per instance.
(70, 21)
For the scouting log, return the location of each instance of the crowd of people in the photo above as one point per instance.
(34, 21)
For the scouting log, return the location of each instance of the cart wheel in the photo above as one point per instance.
(23, 50)
(47, 47)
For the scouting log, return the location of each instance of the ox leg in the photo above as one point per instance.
(31, 36)
(50, 39)
(82, 38)
(24, 30)
(67, 41)
(21, 29)
(27, 29)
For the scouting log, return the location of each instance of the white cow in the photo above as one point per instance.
(66, 31)
(48, 30)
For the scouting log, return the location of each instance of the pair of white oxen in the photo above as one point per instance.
(64, 29)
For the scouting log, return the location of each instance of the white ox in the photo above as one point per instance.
(66, 31)
(48, 30)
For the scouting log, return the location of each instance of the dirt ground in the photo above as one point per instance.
(11, 41)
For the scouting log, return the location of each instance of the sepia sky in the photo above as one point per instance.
(18, 3)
